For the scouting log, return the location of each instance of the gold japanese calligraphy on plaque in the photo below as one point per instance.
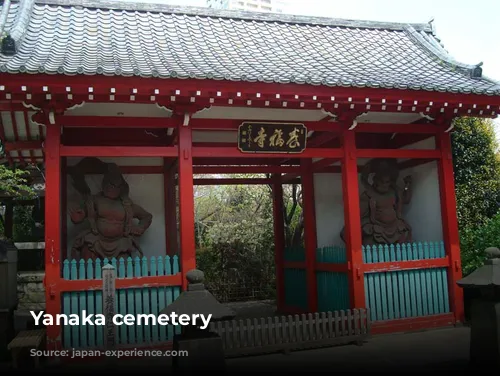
(269, 137)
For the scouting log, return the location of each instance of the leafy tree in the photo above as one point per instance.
(14, 183)
(477, 183)
(13, 186)
(476, 240)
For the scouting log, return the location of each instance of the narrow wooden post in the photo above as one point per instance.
(108, 304)
(279, 240)
(450, 224)
(310, 239)
(53, 231)
(170, 207)
(352, 219)
(186, 202)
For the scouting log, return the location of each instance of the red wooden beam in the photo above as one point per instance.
(186, 202)
(379, 267)
(53, 232)
(243, 169)
(330, 267)
(412, 324)
(119, 151)
(232, 181)
(233, 152)
(323, 138)
(279, 240)
(121, 283)
(350, 191)
(450, 224)
(309, 232)
(188, 87)
(166, 122)
(68, 121)
(319, 165)
(230, 162)
(294, 265)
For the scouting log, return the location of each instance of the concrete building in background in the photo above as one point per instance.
(275, 6)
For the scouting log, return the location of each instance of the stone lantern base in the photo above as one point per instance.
(485, 333)
(204, 351)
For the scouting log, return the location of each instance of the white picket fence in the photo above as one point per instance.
(288, 333)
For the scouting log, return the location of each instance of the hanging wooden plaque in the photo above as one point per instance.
(269, 137)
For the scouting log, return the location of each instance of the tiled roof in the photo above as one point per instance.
(151, 40)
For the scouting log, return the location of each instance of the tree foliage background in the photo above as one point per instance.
(235, 237)
(476, 161)
(13, 186)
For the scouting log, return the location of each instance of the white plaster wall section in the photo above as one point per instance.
(329, 207)
(424, 211)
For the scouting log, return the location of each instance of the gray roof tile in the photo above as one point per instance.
(152, 40)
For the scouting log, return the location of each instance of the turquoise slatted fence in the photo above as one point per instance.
(295, 254)
(295, 288)
(332, 287)
(140, 300)
(403, 252)
(332, 254)
(406, 293)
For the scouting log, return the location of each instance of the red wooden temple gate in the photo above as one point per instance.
(212, 82)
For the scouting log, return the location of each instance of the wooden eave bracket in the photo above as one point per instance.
(46, 111)
(343, 114)
(445, 121)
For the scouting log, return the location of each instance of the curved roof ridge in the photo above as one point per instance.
(234, 14)
(22, 20)
(439, 52)
(4, 15)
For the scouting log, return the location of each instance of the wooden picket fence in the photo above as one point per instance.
(288, 333)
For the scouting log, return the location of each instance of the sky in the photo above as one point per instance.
(469, 30)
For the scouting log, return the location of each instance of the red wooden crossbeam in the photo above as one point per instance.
(319, 165)
(378, 267)
(231, 152)
(411, 324)
(333, 128)
(121, 283)
(119, 151)
(235, 181)
(80, 84)
(243, 169)
(116, 122)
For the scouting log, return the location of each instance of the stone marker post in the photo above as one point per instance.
(108, 304)
(204, 347)
(485, 312)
